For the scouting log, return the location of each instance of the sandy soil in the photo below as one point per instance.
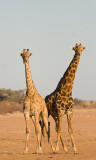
(12, 138)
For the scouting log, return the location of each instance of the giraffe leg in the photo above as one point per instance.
(58, 134)
(61, 138)
(27, 132)
(38, 133)
(63, 144)
(42, 129)
(33, 120)
(69, 119)
(45, 120)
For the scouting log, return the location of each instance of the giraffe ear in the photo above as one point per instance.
(20, 54)
(30, 54)
(73, 48)
(84, 48)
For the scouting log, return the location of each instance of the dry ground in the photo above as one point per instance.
(12, 138)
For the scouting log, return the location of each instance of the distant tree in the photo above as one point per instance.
(13, 96)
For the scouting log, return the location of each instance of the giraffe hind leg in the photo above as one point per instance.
(63, 144)
(45, 120)
(42, 127)
(38, 133)
(61, 138)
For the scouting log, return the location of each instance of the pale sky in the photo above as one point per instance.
(48, 28)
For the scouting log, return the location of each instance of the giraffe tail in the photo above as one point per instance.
(42, 127)
(48, 132)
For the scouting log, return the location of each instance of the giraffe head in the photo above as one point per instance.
(78, 49)
(25, 55)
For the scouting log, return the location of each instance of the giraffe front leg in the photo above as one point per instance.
(69, 119)
(58, 134)
(27, 132)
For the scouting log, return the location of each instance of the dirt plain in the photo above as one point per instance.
(12, 138)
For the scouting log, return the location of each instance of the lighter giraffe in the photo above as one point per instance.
(60, 101)
(34, 106)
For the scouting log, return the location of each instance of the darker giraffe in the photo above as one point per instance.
(60, 101)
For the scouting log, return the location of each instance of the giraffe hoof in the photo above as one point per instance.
(25, 152)
(57, 151)
(66, 150)
(76, 152)
(53, 149)
(39, 151)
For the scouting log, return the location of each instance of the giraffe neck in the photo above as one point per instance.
(29, 82)
(66, 83)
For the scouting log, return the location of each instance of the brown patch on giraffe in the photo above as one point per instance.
(64, 99)
(68, 80)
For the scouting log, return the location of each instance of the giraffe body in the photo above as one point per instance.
(60, 101)
(34, 106)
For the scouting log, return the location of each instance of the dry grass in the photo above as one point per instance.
(10, 107)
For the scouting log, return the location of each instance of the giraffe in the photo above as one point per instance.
(34, 106)
(60, 101)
